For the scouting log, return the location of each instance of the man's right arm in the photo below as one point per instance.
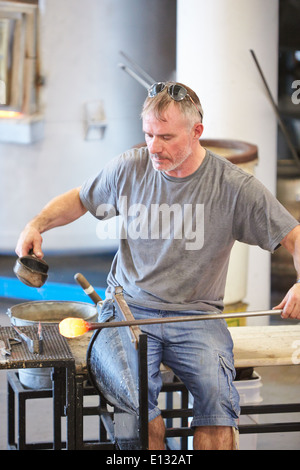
(61, 210)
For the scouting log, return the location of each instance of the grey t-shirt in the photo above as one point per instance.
(177, 233)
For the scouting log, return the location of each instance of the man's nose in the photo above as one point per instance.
(155, 145)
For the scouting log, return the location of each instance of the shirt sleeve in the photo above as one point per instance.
(259, 218)
(99, 192)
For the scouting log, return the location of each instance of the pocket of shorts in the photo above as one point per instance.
(226, 378)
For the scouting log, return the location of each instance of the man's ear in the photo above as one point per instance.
(198, 130)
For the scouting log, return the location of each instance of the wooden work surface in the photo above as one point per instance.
(266, 345)
(253, 346)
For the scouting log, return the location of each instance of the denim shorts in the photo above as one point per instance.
(200, 355)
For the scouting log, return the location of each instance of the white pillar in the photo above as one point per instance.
(214, 39)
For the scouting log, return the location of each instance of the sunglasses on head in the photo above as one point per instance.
(177, 93)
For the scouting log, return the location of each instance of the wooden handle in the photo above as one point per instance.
(88, 288)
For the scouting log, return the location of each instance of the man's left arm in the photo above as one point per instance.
(291, 302)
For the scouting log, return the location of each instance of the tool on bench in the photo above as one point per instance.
(34, 346)
(5, 349)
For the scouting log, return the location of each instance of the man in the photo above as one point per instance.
(183, 208)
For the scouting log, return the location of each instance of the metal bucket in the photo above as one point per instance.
(29, 313)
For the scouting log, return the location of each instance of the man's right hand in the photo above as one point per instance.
(30, 239)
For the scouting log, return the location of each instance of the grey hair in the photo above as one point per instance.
(159, 103)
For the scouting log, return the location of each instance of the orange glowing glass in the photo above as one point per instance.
(73, 327)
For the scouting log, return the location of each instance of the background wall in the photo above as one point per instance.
(80, 44)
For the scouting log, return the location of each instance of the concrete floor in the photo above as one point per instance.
(279, 384)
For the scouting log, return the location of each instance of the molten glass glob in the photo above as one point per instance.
(73, 327)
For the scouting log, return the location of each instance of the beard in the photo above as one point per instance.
(166, 164)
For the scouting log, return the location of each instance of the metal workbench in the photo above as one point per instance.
(56, 354)
(254, 346)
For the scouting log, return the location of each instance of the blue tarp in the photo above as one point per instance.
(15, 289)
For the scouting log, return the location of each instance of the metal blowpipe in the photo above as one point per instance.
(71, 327)
(210, 316)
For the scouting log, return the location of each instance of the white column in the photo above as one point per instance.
(214, 39)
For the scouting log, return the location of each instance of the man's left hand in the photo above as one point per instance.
(291, 303)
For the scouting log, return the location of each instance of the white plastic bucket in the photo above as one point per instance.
(249, 391)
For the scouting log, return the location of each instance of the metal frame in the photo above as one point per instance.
(135, 343)
(62, 392)
(108, 439)
(112, 424)
(69, 389)
(185, 413)
(105, 441)
(16, 390)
